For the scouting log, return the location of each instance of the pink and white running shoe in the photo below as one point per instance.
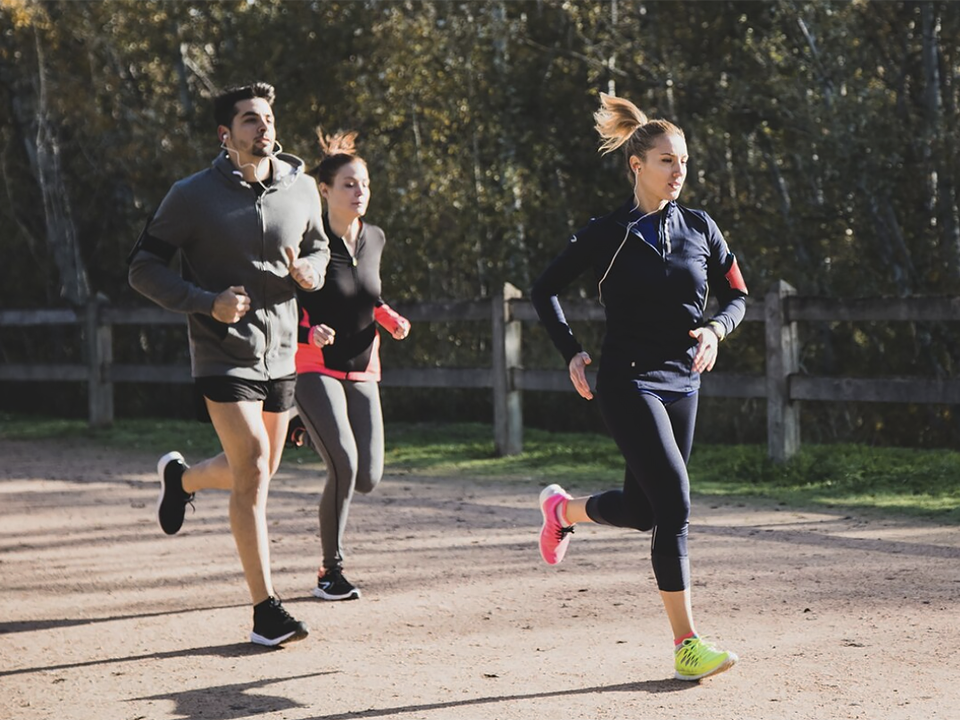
(554, 537)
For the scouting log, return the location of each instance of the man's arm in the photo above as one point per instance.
(150, 271)
(315, 246)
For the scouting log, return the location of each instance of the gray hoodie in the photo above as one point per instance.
(226, 235)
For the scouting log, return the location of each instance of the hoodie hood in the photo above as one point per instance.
(286, 169)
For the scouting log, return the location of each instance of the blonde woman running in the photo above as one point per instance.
(654, 262)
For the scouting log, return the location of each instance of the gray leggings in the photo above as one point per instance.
(345, 423)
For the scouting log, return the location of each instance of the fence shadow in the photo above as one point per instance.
(233, 650)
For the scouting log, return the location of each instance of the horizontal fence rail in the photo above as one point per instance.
(783, 386)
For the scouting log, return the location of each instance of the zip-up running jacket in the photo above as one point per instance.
(350, 303)
(228, 234)
(654, 293)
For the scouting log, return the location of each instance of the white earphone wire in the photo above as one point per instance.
(630, 226)
(613, 260)
(271, 154)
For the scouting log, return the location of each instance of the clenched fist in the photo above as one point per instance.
(301, 270)
(231, 305)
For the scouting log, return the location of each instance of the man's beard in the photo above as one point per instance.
(265, 151)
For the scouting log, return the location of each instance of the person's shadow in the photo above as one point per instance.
(229, 702)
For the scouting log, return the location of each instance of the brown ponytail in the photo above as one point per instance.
(336, 151)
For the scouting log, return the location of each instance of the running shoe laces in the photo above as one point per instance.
(273, 625)
(332, 585)
(695, 658)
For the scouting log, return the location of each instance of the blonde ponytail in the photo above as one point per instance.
(620, 123)
(616, 121)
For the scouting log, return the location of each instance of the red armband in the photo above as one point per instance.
(735, 279)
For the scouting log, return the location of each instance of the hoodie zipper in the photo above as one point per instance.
(263, 251)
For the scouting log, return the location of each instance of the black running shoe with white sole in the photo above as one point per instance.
(273, 625)
(332, 585)
(172, 503)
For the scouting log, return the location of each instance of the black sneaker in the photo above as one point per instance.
(272, 624)
(332, 585)
(172, 503)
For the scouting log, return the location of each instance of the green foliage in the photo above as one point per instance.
(822, 139)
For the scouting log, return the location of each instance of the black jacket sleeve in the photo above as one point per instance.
(564, 269)
(726, 282)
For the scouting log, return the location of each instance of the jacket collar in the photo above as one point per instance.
(627, 213)
(286, 169)
(361, 236)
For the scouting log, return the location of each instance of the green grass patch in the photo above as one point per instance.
(891, 480)
(190, 437)
(468, 449)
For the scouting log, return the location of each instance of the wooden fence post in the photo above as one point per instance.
(507, 401)
(783, 360)
(99, 359)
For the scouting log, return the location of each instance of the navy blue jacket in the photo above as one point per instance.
(654, 293)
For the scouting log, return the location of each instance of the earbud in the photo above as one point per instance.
(223, 138)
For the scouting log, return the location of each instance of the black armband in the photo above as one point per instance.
(153, 245)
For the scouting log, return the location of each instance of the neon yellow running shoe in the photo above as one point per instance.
(695, 659)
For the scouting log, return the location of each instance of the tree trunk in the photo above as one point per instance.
(34, 126)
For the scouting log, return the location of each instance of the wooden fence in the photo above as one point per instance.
(782, 385)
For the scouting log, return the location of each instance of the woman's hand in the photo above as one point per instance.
(708, 344)
(401, 330)
(322, 335)
(578, 375)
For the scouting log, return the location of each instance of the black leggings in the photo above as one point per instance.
(655, 438)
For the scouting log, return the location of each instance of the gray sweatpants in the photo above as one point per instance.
(345, 423)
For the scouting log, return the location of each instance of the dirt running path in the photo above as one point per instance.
(104, 618)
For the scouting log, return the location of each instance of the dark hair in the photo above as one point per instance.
(336, 151)
(620, 123)
(225, 104)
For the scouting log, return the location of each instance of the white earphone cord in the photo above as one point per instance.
(270, 154)
(636, 206)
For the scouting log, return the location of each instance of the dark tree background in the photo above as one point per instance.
(823, 139)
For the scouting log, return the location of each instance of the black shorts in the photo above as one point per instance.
(276, 395)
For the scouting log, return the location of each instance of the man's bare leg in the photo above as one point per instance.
(252, 443)
(247, 460)
(215, 474)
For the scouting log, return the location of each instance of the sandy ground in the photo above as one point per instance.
(103, 617)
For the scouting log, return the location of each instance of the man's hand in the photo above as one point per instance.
(231, 305)
(301, 270)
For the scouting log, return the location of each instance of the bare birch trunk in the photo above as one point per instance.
(35, 127)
